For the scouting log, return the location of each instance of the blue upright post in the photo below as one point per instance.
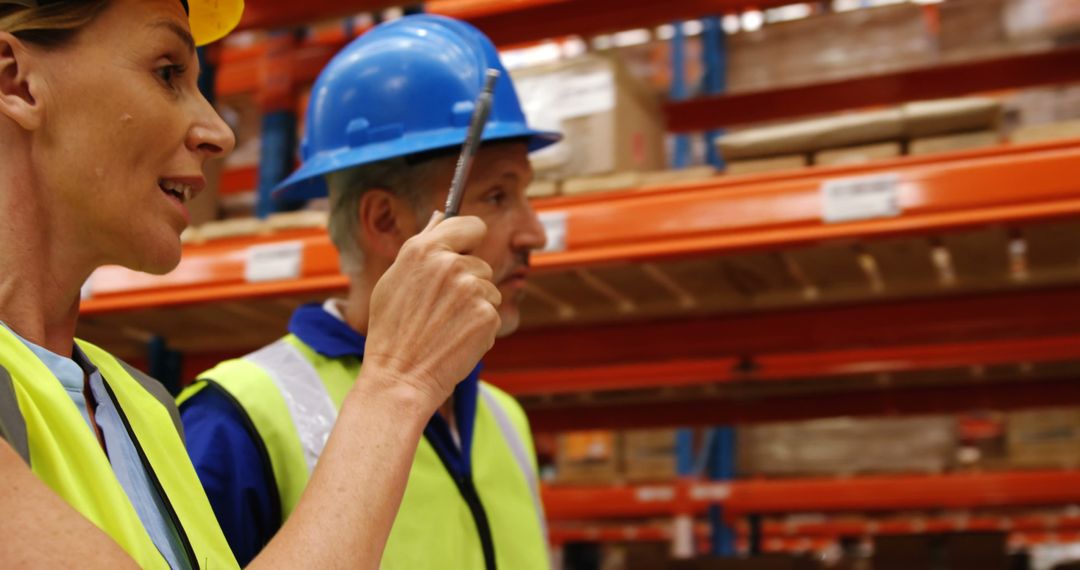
(277, 99)
(685, 465)
(714, 81)
(722, 468)
(681, 153)
(164, 364)
(275, 159)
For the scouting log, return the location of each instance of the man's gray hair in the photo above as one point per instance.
(414, 183)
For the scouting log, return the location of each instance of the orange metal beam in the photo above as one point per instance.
(215, 272)
(860, 494)
(705, 410)
(939, 81)
(771, 367)
(732, 213)
(269, 14)
(946, 320)
(517, 21)
(723, 214)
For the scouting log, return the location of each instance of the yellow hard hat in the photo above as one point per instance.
(210, 20)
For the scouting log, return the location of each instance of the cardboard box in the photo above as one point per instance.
(789, 162)
(848, 129)
(847, 446)
(1038, 439)
(588, 458)
(972, 29)
(830, 46)
(650, 455)
(611, 121)
(948, 143)
(858, 154)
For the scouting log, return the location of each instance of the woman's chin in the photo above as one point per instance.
(157, 258)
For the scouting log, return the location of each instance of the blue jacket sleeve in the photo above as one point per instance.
(233, 471)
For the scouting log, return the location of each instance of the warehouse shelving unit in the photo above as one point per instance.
(725, 300)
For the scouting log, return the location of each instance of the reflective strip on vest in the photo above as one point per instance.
(517, 448)
(310, 407)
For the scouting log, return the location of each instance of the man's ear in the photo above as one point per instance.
(17, 83)
(384, 222)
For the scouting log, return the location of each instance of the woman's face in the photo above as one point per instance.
(126, 133)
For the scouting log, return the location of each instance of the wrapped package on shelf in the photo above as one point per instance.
(847, 446)
(830, 46)
(944, 116)
(611, 121)
(1044, 439)
(855, 138)
(588, 458)
(812, 135)
(1048, 19)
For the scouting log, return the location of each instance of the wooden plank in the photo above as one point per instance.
(787, 162)
(905, 264)
(949, 143)
(980, 257)
(1053, 249)
(832, 268)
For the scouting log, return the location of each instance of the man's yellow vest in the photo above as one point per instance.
(291, 394)
(65, 455)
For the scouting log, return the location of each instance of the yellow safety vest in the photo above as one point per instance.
(52, 434)
(292, 394)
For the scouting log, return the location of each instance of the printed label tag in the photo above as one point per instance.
(273, 261)
(861, 198)
(555, 227)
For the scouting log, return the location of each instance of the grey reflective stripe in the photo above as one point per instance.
(517, 448)
(310, 407)
(12, 423)
(157, 390)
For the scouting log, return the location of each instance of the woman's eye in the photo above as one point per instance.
(170, 73)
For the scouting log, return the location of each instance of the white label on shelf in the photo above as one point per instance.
(860, 198)
(273, 261)
(710, 492)
(555, 226)
(655, 494)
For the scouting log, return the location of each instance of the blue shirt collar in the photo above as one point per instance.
(333, 338)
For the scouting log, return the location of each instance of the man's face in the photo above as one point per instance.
(495, 193)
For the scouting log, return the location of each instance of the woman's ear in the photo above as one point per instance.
(17, 83)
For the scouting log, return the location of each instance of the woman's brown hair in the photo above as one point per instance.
(52, 25)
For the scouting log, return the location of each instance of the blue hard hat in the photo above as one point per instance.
(405, 87)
